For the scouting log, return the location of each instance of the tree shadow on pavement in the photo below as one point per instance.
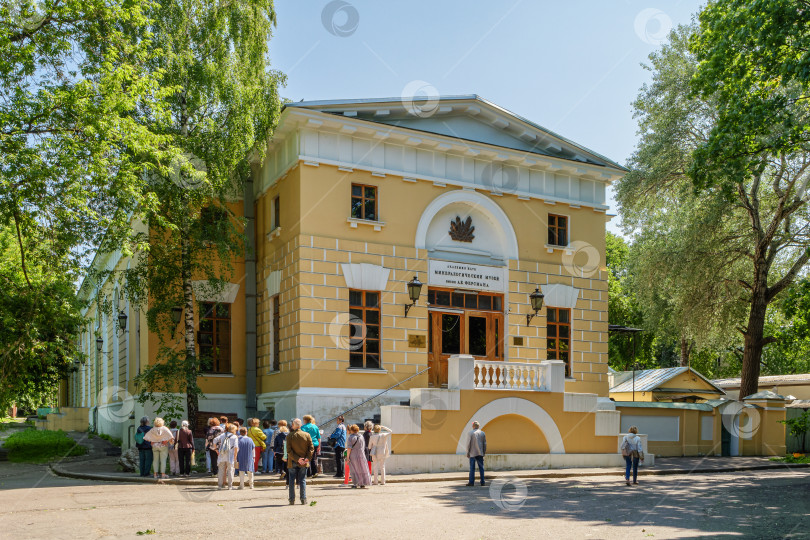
(705, 505)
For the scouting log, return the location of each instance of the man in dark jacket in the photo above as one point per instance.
(144, 447)
(299, 453)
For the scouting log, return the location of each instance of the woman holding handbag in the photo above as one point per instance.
(632, 453)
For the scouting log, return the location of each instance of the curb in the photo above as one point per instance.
(259, 482)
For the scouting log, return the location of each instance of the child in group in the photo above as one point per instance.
(227, 448)
(245, 458)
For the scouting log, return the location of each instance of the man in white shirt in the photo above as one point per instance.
(476, 450)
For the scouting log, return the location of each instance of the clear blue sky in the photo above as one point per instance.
(571, 66)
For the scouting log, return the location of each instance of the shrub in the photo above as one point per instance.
(41, 445)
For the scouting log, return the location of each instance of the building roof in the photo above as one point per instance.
(470, 116)
(648, 380)
(766, 394)
(798, 378)
(666, 405)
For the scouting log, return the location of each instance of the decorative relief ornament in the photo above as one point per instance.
(462, 231)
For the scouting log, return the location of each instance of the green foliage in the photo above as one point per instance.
(753, 59)
(35, 446)
(623, 309)
(799, 426)
(708, 262)
(222, 107)
(73, 75)
(37, 326)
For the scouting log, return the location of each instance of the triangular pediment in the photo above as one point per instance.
(468, 118)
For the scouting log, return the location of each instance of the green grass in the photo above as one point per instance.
(37, 446)
(790, 459)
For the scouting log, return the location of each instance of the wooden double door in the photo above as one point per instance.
(454, 330)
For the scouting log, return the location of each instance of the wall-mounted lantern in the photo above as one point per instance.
(414, 290)
(536, 299)
(122, 321)
(99, 344)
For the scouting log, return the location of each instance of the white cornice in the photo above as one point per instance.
(294, 118)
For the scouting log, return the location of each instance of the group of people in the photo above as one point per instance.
(235, 450)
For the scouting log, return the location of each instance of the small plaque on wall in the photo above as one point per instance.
(517, 341)
(417, 341)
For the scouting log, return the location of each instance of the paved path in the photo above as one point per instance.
(94, 467)
(34, 503)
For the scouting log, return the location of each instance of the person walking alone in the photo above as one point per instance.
(299, 454)
(632, 453)
(476, 450)
(338, 438)
(185, 447)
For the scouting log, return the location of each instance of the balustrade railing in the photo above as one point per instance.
(511, 376)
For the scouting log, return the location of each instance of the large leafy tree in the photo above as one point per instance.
(721, 254)
(72, 77)
(754, 63)
(223, 105)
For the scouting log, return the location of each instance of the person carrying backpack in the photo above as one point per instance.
(632, 453)
(144, 447)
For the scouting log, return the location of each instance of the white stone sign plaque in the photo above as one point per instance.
(466, 276)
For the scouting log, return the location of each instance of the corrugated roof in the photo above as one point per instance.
(647, 380)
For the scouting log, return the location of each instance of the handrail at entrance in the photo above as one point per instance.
(372, 397)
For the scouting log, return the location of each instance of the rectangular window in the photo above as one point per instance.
(364, 202)
(364, 329)
(558, 336)
(557, 230)
(276, 213)
(276, 334)
(214, 337)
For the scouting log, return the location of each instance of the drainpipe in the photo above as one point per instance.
(250, 300)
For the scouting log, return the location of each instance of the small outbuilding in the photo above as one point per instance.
(676, 384)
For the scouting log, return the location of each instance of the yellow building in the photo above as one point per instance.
(395, 252)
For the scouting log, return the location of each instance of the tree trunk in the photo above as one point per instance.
(753, 339)
(686, 351)
(192, 401)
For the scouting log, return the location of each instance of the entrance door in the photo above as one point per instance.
(471, 324)
(446, 338)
